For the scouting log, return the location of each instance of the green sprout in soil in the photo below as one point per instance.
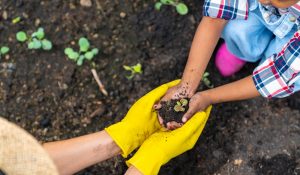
(36, 40)
(180, 105)
(136, 69)
(84, 53)
(181, 8)
(206, 80)
(3, 50)
(16, 20)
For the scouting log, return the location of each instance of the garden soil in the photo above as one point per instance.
(53, 99)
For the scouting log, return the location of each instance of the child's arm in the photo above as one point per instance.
(204, 43)
(238, 90)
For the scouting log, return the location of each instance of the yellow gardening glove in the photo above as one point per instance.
(162, 146)
(140, 121)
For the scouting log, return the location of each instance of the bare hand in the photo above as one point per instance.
(177, 92)
(199, 102)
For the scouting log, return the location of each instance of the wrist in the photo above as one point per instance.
(188, 88)
(208, 95)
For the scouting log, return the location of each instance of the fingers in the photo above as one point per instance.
(173, 125)
(157, 106)
(161, 121)
(188, 114)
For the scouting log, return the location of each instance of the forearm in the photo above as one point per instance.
(204, 43)
(239, 90)
(78, 153)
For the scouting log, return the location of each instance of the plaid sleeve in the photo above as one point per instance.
(226, 9)
(276, 76)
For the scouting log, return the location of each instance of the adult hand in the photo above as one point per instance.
(162, 146)
(140, 121)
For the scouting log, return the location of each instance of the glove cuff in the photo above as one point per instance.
(120, 133)
(149, 163)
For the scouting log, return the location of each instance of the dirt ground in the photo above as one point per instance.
(54, 99)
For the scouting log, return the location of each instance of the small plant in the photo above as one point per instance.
(180, 105)
(36, 40)
(84, 53)
(136, 69)
(206, 81)
(181, 8)
(16, 20)
(4, 50)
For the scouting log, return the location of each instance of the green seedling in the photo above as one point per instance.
(84, 53)
(36, 40)
(181, 8)
(4, 50)
(136, 69)
(180, 105)
(206, 80)
(16, 20)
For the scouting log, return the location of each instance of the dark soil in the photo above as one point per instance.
(168, 113)
(1, 173)
(53, 99)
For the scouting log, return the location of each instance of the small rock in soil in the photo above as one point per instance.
(122, 14)
(86, 3)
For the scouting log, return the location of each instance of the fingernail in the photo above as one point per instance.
(184, 120)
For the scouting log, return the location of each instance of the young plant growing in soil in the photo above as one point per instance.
(3, 50)
(36, 40)
(173, 110)
(181, 8)
(206, 80)
(135, 69)
(180, 105)
(84, 53)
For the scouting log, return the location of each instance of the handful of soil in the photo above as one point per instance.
(173, 110)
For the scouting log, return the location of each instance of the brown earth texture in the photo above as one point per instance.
(52, 98)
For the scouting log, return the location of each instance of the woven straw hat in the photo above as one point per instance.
(21, 154)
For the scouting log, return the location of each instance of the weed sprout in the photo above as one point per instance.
(4, 50)
(181, 8)
(84, 53)
(135, 69)
(36, 40)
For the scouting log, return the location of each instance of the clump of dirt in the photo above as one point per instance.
(169, 113)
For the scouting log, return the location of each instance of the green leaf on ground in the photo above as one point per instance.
(21, 36)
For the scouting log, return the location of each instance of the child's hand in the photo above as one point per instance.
(176, 92)
(199, 102)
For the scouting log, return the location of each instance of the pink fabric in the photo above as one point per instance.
(227, 63)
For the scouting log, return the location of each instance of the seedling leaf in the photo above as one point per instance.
(158, 5)
(184, 101)
(137, 68)
(178, 108)
(21, 36)
(178, 103)
(47, 45)
(95, 51)
(89, 55)
(4, 50)
(127, 67)
(68, 51)
(73, 56)
(34, 44)
(182, 9)
(16, 20)
(83, 44)
(39, 34)
(80, 60)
